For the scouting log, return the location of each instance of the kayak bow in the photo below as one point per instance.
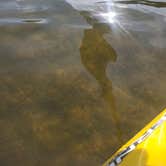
(147, 148)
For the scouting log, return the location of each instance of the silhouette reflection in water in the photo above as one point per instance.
(96, 53)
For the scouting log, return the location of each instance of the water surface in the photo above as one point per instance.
(78, 78)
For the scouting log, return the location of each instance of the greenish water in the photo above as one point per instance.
(74, 85)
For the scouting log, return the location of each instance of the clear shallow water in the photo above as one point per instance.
(75, 83)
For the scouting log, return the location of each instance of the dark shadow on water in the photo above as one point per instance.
(96, 54)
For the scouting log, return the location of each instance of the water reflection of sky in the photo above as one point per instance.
(127, 16)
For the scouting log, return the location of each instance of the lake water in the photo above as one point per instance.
(78, 78)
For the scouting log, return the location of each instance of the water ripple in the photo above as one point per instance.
(4, 21)
(144, 2)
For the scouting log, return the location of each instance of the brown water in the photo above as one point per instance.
(73, 86)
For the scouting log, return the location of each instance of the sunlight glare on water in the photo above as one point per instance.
(110, 17)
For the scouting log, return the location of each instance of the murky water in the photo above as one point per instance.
(78, 78)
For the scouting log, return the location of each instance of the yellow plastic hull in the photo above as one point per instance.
(147, 148)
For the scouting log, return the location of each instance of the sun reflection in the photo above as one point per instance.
(109, 14)
(109, 17)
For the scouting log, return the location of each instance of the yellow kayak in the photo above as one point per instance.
(147, 148)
